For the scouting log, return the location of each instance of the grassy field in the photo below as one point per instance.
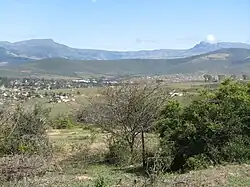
(190, 88)
(80, 170)
(65, 108)
(78, 163)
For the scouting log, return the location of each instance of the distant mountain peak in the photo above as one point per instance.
(36, 42)
(204, 43)
(48, 48)
(206, 46)
(4, 42)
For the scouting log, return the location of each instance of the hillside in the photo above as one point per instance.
(37, 49)
(6, 57)
(223, 61)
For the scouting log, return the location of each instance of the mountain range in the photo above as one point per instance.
(46, 57)
(231, 60)
(37, 49)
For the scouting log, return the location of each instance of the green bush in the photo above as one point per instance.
(63, 122)
(101, 182)
(118, 152)
(196, 162)
(213, 129)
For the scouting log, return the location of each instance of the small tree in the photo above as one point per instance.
(126, 112)
(3, 81)
(245, 77)
(208, 78)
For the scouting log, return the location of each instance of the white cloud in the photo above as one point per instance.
(93, 1)
(211, 38)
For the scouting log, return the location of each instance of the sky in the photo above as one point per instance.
(126, 24)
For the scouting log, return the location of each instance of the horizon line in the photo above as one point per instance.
(117, 50)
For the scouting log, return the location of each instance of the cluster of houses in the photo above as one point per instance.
(14, 89)
(96, 82)
(61, 98)
(13, 95)
(170, 78)
(51, 84)
(26, 88)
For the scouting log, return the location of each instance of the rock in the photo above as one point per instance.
(84, 177)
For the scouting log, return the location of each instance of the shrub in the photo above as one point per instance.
(63, 122)
(24, 145)
(15, 168)
(118, 152)
(24, 131)
(196, 162)
(101, 182)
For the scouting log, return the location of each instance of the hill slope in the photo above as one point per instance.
(36, 49)
(6, 57)
(223, 60)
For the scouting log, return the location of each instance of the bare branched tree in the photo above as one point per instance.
(127, 111)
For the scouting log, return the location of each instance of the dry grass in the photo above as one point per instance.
(232, 175)
(228, 176)
(74, 166)
(78, 166)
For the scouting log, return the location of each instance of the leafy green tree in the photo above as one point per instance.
(213, 129)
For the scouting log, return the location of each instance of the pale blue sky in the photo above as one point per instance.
(125, 24)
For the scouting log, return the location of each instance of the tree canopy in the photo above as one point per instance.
(211, 130)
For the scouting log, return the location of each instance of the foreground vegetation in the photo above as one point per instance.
(131, 136)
